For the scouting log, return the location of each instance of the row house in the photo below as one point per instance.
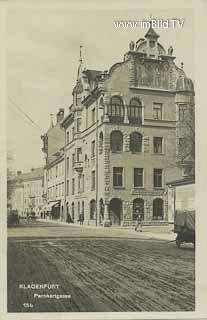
(26, 195)
(54, 170)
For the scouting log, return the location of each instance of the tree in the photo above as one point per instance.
(186, 139)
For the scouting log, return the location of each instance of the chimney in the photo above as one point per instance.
(19, 172)
(60, 115)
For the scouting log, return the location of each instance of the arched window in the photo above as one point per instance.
(138, 207)
(135, 111)
(101, 143)
(116, 141)
(73, 210)
(101, 210)
(86, 161)
(157, 209)
(116, 109)
(93, 209)
(135, 142)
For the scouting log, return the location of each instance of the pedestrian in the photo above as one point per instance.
(41, 214)
(139, 222)
(28, 217)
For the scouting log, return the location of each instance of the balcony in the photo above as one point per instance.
(78, 166)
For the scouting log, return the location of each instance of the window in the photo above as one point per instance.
(73, 160)
(157, 178)
(135, 111)
(93, 180)
(79, 183)
(116, 141)
(182, 108)
(93, 149)
(92, 209)
(56, 171)
(86, 161)
(67, 137)
(83, 183)
(135, 142)
(67, 166)
(73, 186)
(101, 143)
(79, 152)
(93, 115)
(157, 144)
(158, 209)
(78, 209)
(79, 125)
(73, 132)
(138, 177)
(117, 177)
(157, 111)
(116, 109)
(67, 188)
(73, 211)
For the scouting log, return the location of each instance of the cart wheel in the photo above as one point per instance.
(178, 243)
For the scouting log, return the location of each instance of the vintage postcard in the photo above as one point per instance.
(102, 177)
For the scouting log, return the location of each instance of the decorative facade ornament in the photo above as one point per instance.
(131, 46)
(170, 51)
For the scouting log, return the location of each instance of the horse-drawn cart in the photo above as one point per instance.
(184, 226)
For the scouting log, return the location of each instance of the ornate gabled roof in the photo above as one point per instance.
(151, 33)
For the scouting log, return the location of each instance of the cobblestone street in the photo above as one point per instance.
(103, 269)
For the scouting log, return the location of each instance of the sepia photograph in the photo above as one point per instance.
(101, 152)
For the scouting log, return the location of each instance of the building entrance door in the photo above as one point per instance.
(115, 210)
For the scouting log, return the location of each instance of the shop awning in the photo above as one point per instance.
(52, 204)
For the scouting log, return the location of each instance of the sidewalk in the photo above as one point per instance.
(152, 232)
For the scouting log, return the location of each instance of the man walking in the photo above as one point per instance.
(139, 222)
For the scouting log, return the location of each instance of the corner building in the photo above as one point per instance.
(121, 136)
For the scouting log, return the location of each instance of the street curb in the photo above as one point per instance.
(145, 234)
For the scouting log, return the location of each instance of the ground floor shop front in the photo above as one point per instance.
(115, 211)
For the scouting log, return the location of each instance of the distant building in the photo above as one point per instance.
(26, 191)
(54, 186)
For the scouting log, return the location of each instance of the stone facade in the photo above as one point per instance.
(136, 98)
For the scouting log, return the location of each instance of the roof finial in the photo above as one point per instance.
(80, 67)
(81, 60)
(51, 120)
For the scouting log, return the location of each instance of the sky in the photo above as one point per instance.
(42, 62)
